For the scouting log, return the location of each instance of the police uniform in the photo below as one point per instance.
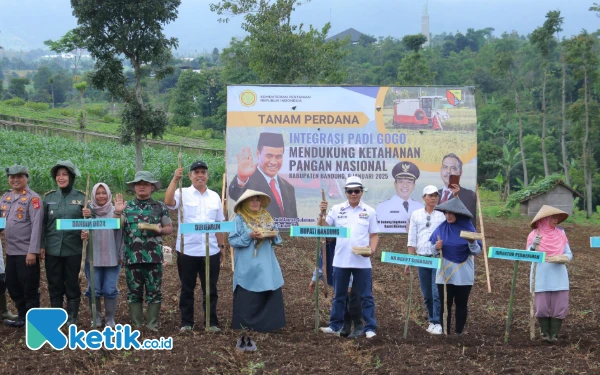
(393, 214)
(24, 219)
(63, 247)
(143, 255)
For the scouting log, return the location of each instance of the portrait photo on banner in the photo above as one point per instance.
(291, 142)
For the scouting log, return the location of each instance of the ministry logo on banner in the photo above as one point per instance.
(44, 326)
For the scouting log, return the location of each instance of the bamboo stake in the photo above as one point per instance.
(226, 214)
(207, 284)
(512, 299)
(324, 251)
(410, 286)
(317, 290)
(445, 307)
(179, 157)
(532, 305)
(91, 260)
(485, 254)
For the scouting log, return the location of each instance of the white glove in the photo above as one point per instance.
(536, 241)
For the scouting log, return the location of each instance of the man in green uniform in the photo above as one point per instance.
(143, 256)
(62, 248)
(21, 207)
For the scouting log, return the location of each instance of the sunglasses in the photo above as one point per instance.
(353, 191)
(428, 221)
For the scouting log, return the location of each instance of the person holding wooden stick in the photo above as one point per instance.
(364, 232)
(200, 205)
(63, 250)
(458, 266)
(257, 279)
(421, 225)
(144, 222)
(107, 255)
(552, 278)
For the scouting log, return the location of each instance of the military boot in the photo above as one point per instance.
(136, 312)
(555, 325)
(544, 328)
(72, 311)
(152, 313)
(4, 312)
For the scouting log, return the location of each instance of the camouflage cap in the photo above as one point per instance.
(17, 169)
(65, 164)
(144, 176)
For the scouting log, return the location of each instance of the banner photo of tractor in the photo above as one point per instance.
(292, 142)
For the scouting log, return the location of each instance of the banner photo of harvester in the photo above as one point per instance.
(291, 142)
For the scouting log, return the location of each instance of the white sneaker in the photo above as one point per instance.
(330, 331)
(370, 334)
(431, 326)
(436, 330)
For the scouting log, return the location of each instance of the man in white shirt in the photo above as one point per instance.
(362, 221)
(200, 205)
(422, 224)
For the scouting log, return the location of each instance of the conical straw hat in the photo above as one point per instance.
(264, 199)
(454, 205)
(547, 211)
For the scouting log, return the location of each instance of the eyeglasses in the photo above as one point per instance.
(353, 191)
(428, 222)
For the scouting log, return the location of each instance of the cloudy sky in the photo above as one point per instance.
(27, 23)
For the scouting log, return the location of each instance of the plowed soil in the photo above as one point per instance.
(297, 349)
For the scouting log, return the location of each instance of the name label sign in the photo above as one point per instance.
(2, 223)
(511, 254)
(594, 241)
(306, 231)
(207, 227)
(88, 224)
(411, 260)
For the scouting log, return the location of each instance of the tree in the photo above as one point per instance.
(70, 43)
(508, 161)
(17, 87)
(543, 39)
(81, 87)
(581, 54)
(414, 43)
(113, 28)
(184, 104)
(280, 52)
(506, 64)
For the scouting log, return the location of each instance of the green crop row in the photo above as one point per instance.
(106, 161)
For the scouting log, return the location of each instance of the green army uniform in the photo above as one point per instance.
(143, 256)
(63, 247)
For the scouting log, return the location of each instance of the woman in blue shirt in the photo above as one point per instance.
(257, 279)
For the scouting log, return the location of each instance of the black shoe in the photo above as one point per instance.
(345, 331)
(250, 345)
(241, 343)
(17, 323)
(358, 331)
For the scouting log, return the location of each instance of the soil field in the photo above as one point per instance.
(296, 349)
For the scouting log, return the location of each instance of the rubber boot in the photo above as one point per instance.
(358, 330)
(110, 308)
(98, 312)
(4, 313)
(345, 331)
(555, 325)
(72, 311)
(544, 328)
(136, 312)
(152, 313)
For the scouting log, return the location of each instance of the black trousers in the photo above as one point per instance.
(63, 278)
(23, 283)
(189, 268)
(459, 295)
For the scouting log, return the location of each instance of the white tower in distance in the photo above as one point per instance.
(425, 24)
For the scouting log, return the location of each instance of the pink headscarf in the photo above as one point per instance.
(107, 208)
(553, 240)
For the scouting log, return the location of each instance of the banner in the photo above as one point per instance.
(292, 141)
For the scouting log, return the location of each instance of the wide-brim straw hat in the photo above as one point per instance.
(454, 205)
(265, 200)
(547, 211)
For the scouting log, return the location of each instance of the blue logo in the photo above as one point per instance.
(44, 326)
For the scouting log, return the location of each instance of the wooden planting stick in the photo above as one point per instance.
(317, 290)
(226, 214)
(91, 260)
(410, 286)
(445, 322)
(532, 305)
(485, 254)
(181, 201)
(512, 299)
(324, 251)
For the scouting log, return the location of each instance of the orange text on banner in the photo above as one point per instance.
(294, 119)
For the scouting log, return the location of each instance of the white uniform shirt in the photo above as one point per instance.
(199, 208)
(362, 222)
(419, 232)
(393, 217)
